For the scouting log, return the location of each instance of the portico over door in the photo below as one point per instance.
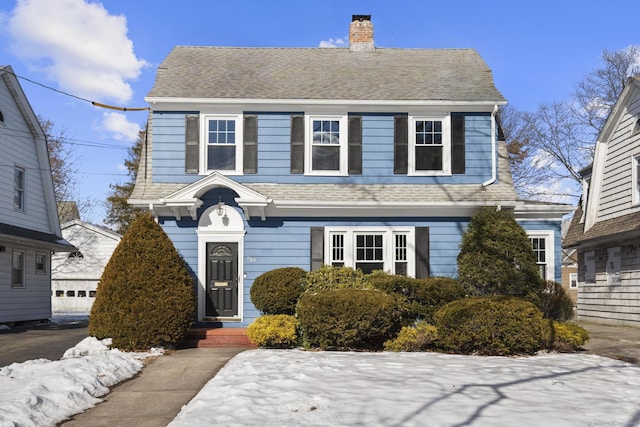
(222, 280)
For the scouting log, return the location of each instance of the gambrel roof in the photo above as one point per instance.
(451, 75)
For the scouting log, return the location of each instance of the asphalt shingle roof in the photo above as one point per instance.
(325, 73)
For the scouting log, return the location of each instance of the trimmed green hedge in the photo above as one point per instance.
(275, 331)
(423, 297)
(347, 318)
(495, 326)
(277, 291)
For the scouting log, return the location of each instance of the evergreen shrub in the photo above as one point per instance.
(277, 291)
(556, 303)
(347, 318)
(330, 277)
(420, 337)
(493, 326)
(423, 296)
(496, 257)
(567, 337)
(274, 331)
(145, 297)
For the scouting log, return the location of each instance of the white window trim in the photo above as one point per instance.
(343, 119)
(24, 255)
(23, 189)
(204, 138)
(388, 233)
(573, 278)
(550, 256)
(446, 145)
(635, 195)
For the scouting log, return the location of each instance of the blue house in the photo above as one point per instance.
(373, 158)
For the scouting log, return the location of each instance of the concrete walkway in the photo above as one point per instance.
(617, 342)
(154, 397)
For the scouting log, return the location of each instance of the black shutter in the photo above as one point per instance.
(317, 247)
(192, 144)
(297, 144)
(422, 252)
(400, 144)
(250, 146)
(355, 145)
(457, 144)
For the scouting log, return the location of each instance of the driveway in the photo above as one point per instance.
(48, 341)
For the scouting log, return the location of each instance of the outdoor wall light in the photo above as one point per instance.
(220, 208)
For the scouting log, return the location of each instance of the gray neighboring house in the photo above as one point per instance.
(75, 275)
(605, 229)
(29, 225)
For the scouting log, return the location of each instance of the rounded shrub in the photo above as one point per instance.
(556, 303)
(347, 318)
(145, 296)
(277, 291)
(567, 337)
(419, 337)
(274, 331)
(498, 326)
(423, 296)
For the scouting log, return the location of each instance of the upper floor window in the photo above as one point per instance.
(635, 174)
(326, 145)
(75, 256)
(18, 188)
(17, 269)
(223, 144)
(430, 146)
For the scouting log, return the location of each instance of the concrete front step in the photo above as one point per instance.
(218, 338)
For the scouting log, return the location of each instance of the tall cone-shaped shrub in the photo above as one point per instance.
(496, 257)
(145, 297)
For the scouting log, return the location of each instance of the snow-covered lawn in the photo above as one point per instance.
(302, 388)
(307, 388)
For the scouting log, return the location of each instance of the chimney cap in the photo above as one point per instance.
(360, 18)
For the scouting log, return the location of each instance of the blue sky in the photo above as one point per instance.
(108, 51)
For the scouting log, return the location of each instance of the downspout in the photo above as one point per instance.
(494, 163)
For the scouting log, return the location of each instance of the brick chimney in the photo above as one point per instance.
(361, 34)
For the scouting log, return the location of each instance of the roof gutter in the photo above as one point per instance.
(494, 162)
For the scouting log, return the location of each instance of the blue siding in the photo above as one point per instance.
(274, 152)
(283, 242)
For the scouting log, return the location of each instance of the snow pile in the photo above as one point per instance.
(298, 388)
(42, 392)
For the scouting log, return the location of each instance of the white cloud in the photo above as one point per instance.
(338, 42)
(78, 44)
(120, 128)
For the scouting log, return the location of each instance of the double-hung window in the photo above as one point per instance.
(542, 244)
(42, 263)
(326, 145)
(430, 146)
(17, 269)
(371, 248)
(18, 188)
(222, 144)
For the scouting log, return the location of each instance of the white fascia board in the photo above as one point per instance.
(542, 212)
(378, 209)
(170, 103)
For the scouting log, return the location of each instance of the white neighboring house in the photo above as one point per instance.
(75, 275)
(29, 225)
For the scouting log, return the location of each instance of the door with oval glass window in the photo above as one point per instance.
(222, 280)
